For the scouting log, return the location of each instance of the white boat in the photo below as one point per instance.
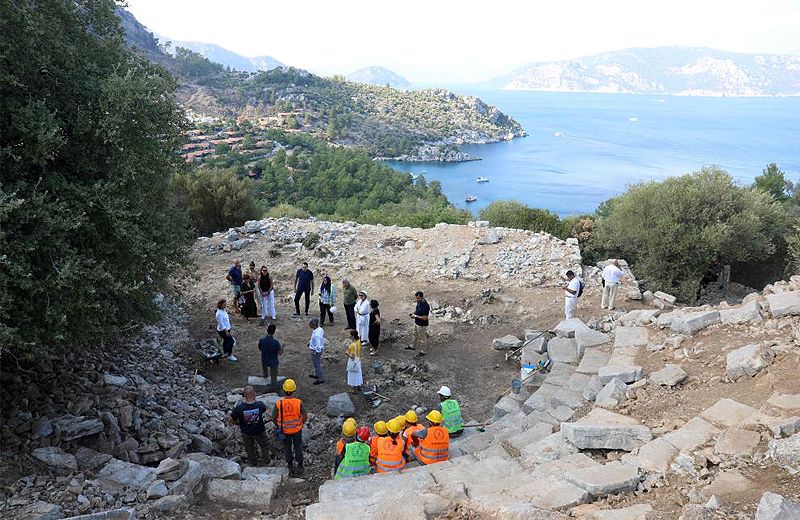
(662, 100)
(633, 119)
(470, 198)
(483, 179)
(558, 134)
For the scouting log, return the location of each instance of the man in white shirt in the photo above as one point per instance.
(571, 294)
(611, 275)
(316, 344)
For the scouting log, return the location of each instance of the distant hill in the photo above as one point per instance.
(225, 57)
(683, 71)
(379, 76)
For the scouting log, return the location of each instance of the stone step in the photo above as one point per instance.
(585, 435)
(254, 494)
(610, 478)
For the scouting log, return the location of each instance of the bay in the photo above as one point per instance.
(601, 151)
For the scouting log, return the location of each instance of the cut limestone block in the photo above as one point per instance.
(508, 404)
(56, 458)
(550, 448)
(531, 436)
(695, 322)
(737, 442)
(556, 468)
(655, 456)
(254, 494)
(263, 385)
(630, 336)
(569, 328)
(748, 313)
(748, 361)
(786, 452)
(611, 478)
(340, 405)
(785, 401)
(591, 338)
(728, 483)
(507, 342)
(784, 304)
(605, 436)
(626, 374)
(593, 360)
(727, 412)
(783, 426)
(670, 375)
(667, 319)
(603, 416)
(665, 297)
(271, 473)
(216, 467)
(635, 512)
(691, 435)
(563, 350)
(774, 507)
(578, 382)
(612, 394)
(127, 474)
(559, 374)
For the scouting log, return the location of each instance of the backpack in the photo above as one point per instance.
(580, 288)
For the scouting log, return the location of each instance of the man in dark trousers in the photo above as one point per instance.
(349, 302)
(249, 415)
(270, 350)
(289, 415)
(303, 284)
(420, 317)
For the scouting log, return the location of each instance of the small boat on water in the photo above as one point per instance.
(483, 179)
(558, 134)
(633, 119)
(470, 198)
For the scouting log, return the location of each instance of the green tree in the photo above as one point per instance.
(89, 230)
(217, 199)
(773, 181)
(513, 214)
(683, 229)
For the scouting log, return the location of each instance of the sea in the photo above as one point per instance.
(608, 142)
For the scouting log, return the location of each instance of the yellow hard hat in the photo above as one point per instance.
(394, 426)
(348, 429)
(351, 420)
(434, 416)
(401, 420)
(411, 416)
(289, 385)
(380, 428)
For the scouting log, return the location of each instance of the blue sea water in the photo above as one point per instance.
(601, 151)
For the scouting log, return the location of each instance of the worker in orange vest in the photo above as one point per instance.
(411, 426)
(434, 441)
(289, 415)
(392, 455)
(380, 433)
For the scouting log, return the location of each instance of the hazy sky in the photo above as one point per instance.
(442, 40)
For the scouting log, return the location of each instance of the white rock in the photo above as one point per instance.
(612, 394)
(670, 375)
(784, 304)
(774, 507)
(626, 374)
(748, 360)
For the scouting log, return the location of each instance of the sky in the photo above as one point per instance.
(466, 41)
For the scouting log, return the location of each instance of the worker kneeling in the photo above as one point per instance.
(434, 441)
(392, 454)
(355, 456)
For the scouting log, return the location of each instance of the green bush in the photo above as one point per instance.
(89, 230)
(286, 211)
(683, 229)
(516, 215)
(216, 199)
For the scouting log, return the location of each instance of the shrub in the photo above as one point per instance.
(516, 215)
(89, 230)
(683, 229)
(216, 199)
(286, 211)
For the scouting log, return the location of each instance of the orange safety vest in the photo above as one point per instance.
(435, 447)
(408, 431)
(391, 456)
(289, 419)
(373, 447)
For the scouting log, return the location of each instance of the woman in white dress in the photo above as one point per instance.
(354, 377)
(362, 317)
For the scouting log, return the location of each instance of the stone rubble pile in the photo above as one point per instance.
(124, 432)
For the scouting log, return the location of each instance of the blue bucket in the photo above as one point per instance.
(516, 385)
(378, 367)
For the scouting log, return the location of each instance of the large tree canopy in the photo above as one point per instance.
(677, 231)
(89, 231)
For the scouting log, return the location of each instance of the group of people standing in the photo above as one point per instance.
(609, 278)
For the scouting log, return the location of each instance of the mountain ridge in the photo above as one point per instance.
(226, 57)
(377, 75)
(673, 70)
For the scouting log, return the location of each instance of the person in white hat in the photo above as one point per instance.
(451, 412)
(362, 317)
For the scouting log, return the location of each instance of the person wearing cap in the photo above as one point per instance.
(345, 428)
(401, 420)
(411, 426)
(611, 275)
(362, 317)
(349, 297)
(392, 454)
(249, 415)
(451, 412)
(289, 415)
(354, 457)
(380, 433)
(433, 442)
